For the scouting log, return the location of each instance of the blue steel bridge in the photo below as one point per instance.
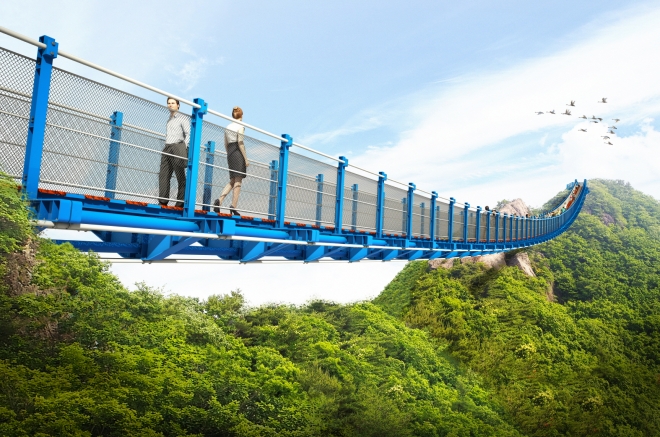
(87, 157)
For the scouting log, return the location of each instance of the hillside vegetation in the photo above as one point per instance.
(574, 351)
(461, 352)
(82, 356)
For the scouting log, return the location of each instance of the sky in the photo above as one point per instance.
(442, 94)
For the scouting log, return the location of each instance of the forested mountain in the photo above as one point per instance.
(573, 351)
(464, 351)
(82, 356)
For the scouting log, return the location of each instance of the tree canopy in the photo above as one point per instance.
(465, 351)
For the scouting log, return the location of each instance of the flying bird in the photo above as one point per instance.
(605, 137)
(595, 121)
(616, 120)
(583, 130)
(551, 112)
(612, 127)
(612, 132)
(593, 117)
(609, 143)
(568, 112)
(571, 104)
(603, 100)
(540, 112)
(584, 116)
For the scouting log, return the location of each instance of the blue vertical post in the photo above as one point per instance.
(536, 227)
(497, 227)
(432, 219)
(319, 198)
(339, 197)
(404, 215)
(478, 224)
(409, 211)
(354, 207)
(380, 204)
(511, 218)
(517, 221)
(504, 234)
(34, 146)
(422, 209)
(272, 204)
(488, 227)
(116, 121)
(194, 152)
(280, 209)
(466, 211)
(450, 220)
(208, 175)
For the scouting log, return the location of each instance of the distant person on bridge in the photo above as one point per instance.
(175, 154)
(237, 161)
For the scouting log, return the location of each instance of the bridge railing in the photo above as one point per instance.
(103, 142)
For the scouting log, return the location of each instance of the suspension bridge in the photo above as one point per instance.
(87, 155)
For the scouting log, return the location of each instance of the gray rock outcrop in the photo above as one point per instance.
(495, 261)
(515, 207)
(491, 261)
(521, 260)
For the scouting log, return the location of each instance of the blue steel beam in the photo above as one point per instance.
(272, 198)
(208, 175)
(450, 220)
(380, 204)
(339, 196)
(409, 211)
(194, 152)
(38, 112)
(432, 219)
(116, 121)
(319, 199)
(285, 145)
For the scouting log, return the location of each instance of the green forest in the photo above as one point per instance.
(462, 351)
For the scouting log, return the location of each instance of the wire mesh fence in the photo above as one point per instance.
(459, 223)
(258, 189)
(311, 191)
(483, 226)
(421, 216)
(84, 152)
(442, 220)
(395, 210)
(16, 80)
(472, 225)
(360, 203)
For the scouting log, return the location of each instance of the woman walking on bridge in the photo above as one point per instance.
(236, 161)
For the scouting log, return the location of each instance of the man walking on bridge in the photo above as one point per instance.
(175, 154)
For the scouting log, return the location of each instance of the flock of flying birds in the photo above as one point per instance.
(593, 119)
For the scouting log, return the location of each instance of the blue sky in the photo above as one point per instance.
(439, 93)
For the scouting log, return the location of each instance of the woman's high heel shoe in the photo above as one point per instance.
(216, 206)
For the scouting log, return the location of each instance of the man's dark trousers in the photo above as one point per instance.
(169, 165)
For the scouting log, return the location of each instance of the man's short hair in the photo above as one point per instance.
(237, 112)
(172, 98)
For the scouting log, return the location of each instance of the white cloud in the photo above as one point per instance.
(476, 139)
(188, 75)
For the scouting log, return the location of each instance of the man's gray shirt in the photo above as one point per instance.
(178, 129)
